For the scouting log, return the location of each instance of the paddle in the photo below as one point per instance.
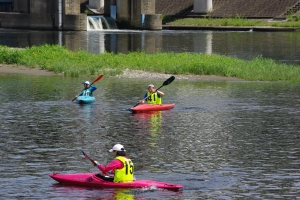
(167, 82)
(93, 161)
(97, 79)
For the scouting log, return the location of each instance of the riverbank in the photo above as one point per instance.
(59, 60)
(291, 24)
(232, 28)
(127, 73)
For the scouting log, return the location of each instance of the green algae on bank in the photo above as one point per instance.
(60, 60)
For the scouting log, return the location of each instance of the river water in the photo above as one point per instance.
(280, 46)
(223, 140)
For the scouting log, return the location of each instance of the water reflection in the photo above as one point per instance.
(280, 46)
(151, 123)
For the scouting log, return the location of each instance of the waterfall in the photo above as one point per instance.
(100, 23)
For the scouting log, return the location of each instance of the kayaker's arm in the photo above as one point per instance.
(93, 88)
(160, 93)
(115, 164)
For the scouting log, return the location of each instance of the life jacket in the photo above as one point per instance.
(87, 92)
(126, 173)
(154, 98)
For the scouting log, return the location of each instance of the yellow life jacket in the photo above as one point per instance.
(126, 173)
(154, 98)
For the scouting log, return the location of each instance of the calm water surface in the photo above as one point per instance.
(223, 140)
(280, 46)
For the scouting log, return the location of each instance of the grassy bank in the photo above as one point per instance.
(60, 60)
(291, 21)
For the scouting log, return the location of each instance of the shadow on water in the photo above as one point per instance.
(222, 139)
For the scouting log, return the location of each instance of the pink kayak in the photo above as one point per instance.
(152, 107)
(91, 180)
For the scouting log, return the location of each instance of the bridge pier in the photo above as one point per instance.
(138, 14)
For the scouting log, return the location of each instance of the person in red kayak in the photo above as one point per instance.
(153, 96)
(122, 167)
(87, 90)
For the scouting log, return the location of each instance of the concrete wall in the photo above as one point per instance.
(42, 7)
(14, 20)
(21, 6)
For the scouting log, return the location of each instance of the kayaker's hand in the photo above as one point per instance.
(142, 101)
(95, 163)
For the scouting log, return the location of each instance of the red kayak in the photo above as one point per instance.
(152, 107)
(92, 180)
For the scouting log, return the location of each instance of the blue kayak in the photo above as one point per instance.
(85, 99)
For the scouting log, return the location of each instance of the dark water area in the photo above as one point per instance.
(280, 46)
(222, 140)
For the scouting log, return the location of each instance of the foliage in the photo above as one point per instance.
(60, 60)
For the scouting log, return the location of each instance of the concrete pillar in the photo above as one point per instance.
(107, 4)
(136, 13)
(148, 6)
(202, 6)
(123, 11)
(75, 22)
(153, 22)
(71, 7)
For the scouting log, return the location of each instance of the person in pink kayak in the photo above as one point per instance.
(121, 167)
(153, 96)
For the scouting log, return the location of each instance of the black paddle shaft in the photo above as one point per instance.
(167, 82)
(86, 156)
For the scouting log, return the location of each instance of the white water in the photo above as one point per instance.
(100, 23)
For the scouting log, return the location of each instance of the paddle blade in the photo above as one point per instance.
(97, 79)
(169, 80)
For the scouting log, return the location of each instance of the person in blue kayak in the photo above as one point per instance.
(121, 167)
(87, 90)
(153, 96)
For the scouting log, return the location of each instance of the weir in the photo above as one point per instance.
(100, 23)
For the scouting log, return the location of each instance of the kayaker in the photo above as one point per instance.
(153, 96)
(87, 90)
(122, 167)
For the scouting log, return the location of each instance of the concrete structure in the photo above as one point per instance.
(65, 14)
(231, 8)
(45, 14)
(202, 6)
(138, 14)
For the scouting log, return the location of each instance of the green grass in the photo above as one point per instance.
(292, 21)
(60, 60)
